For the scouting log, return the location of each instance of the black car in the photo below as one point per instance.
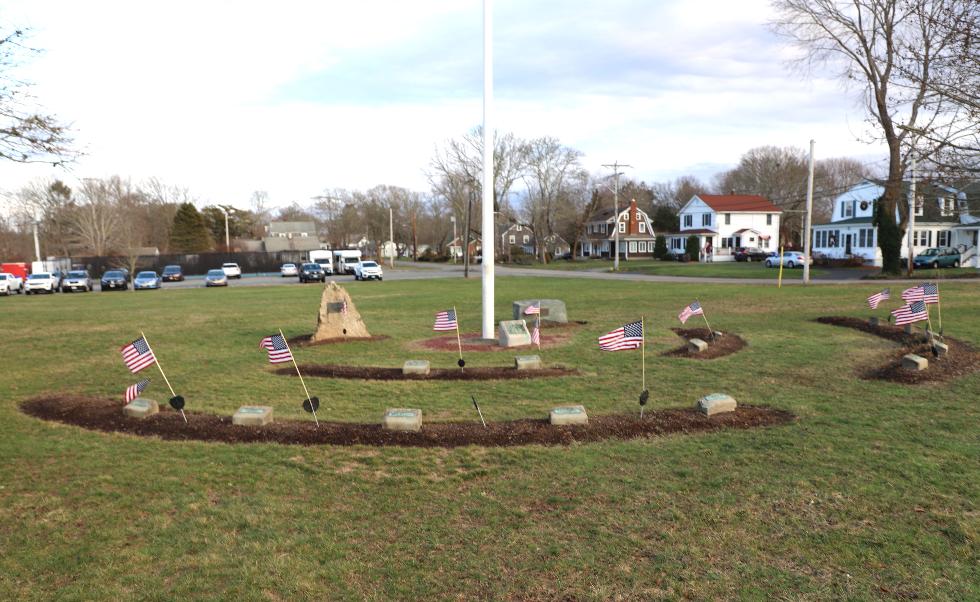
(751, 254)
(172, 273)
(114, 280)
(310, 272)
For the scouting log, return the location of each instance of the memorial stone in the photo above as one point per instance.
(141, 408)
(915, 362)
(552, 310)
(568, 415)
(940, 349)
(416, 367)
(716, 403)
(873, 322)
(402, 419)
(527, 362)
(696, 346)
(252, 416)
(333, 321)
(513, 333)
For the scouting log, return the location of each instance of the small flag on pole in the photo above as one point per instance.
(694, 309)
(930, 292)
(915, 293)
(445, 320)
(533, 309)
(877, 298)
(133, 391)
(536, 335)
(629, 336)
(913, 312)
(138, 355)
(278, 350)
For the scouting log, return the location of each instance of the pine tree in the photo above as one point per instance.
(660, 247)
(693, 249)
(190, 232)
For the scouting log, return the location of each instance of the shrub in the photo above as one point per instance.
(692, 249)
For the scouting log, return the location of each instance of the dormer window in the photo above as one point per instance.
(643, 228)
(918, 206)
(946, 206)
(847, 210)
(622, 227)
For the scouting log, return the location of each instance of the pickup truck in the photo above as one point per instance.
(368, 270)
(10, 284)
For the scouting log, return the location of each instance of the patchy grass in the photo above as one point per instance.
(719, 269)
(872, 493)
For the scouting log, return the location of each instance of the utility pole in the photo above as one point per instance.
(37, 244)
(227, 238)
(616, 173)
(391, 236)
(912, 204)
(452, 218)
(809, 218)
(489, 236)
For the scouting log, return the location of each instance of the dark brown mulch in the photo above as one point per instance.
(306, 340)
(726, 344)
(472, 342)
(962, 359)
(106, 415)
(376, 373)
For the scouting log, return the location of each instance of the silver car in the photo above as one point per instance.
(77, 280)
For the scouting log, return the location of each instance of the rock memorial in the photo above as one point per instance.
(513, 333)
(873, 322)
(402, 419)
(696, 345)
(141, 408)
(552, 310)
(940, 349)
(527, 362)
(564, 415)
(416, 367)
(915, 362)
(252, 416)
(338, 317)
(716, 403)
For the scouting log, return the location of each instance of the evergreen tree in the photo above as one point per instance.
(660, 247)
(693, 249)
(190, 232)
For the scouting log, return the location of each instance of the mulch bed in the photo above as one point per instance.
(106, 415)
(376, 373)
(306, 340)
(962, 359)
(473, 341)
(726, 344)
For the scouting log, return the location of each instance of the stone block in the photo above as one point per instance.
(716, 403)
(416, 367)
(552, 310)
(252, 416)
(402, 419)
(568, 415)
(908, 329)
(527, 362)
(718, 334)
(940, 349)
(141, 408)
(696, 346)
(513, 333)
(914, 362)
(873, 322)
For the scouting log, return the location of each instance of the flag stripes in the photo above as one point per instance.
(276, 346)
(694, 309)
(445, 320)
(138, 355)
(629, 336)
(913, 312)
(878, 297)
(133, 391)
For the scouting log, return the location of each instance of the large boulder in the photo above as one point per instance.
(334, 321)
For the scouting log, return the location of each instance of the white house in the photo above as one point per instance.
(942, 219)
(727, 222)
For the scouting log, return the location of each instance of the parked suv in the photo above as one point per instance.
(41, 282)
(77, 280)
(937, 257)
(10, 284)
(368, 270)
(312, 271)
(231, 270)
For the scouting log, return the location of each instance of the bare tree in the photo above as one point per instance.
(885, 48)
(551, 167)
(96, 221)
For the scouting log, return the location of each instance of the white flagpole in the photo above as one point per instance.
(300, 378)
(459, 341)
(156, 361)
(643, 358)
(537, 326)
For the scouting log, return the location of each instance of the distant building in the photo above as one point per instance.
(726, 222)
(291, 236)
(636, 237)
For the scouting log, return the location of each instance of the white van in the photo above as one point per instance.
(345, 260)
(324, 258)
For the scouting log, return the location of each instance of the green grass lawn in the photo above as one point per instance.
(721, 269)
(872, 493)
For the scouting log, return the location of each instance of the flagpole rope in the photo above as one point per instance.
(302, 382)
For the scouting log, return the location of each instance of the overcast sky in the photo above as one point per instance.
(293, 98)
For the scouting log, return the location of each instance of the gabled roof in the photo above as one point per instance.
(733, 203)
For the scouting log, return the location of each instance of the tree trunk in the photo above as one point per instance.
(466, 237)
(415, 240)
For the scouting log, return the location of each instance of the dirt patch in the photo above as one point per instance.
(306, 340)
(106, 415)
(552, 335)
(375, 373)
(726, 344)
(962, 359)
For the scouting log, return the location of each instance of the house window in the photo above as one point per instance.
(764, 243)
(922, 238)
(768, 219)
(688, 221)
(847, 209)
(525, 239)
(643, 227)
(918, 206)
(728, 219)
(622, 227)
(632, 246)
(706, 219)
(512, 239)
(946, 207)
(642, 246)
(943, 238)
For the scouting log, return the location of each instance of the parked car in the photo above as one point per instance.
(59, 278)
(937, 257)
(790, 259)
(77, 280)
(173, 273)
(231, 270)
(368, 270)
(310, 272)
(751, 254)
(10, 284)
(146, 280)
(113, 280)
(41, 282)
(216, 278)
(289, 269)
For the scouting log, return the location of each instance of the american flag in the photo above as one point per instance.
(536, 335)
(445, 320)
(138, 355)
(930, 292)
(913, 294)
(877, 298)
(533, 309)
(629, 336)
(133, 391)
(913, 312)
(277, 348)
(694, 309)
(343, 308)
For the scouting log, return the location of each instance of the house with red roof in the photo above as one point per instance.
(724, 223)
